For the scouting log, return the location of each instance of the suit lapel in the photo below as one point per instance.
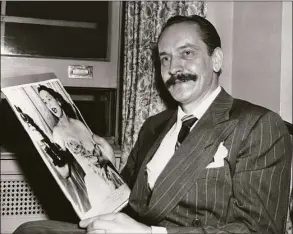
(140, 195)
(188, 162)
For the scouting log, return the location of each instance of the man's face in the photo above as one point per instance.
(184, 55)
(51, 103)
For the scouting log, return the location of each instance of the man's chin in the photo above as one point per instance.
(181, 86)
(180, 96)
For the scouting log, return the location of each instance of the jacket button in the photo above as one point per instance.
(196, 223)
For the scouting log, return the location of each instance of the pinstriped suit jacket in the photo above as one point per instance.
(249, 194)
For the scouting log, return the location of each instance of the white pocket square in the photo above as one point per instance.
(219, 156)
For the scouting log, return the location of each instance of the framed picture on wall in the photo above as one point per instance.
(56, 29)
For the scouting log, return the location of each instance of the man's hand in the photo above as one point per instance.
(106, 149)
(113, 223)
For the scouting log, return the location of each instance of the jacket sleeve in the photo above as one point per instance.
(129, 172)
(261, 182)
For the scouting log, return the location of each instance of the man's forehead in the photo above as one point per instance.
(179, 35)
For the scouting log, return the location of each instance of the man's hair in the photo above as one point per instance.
(207, 31)
(66, 107)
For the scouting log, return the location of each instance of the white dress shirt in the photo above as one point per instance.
(167, 146)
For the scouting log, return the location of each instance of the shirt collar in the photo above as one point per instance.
(202, 108)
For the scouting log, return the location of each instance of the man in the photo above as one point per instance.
(227, 172)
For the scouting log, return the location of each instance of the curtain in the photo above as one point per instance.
(143, 21)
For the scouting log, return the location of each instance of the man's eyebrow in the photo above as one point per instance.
(188, 45)
(162, 53)
(185, 46)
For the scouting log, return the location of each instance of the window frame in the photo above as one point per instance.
(50, 22)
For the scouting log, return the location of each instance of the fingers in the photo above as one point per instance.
(85, 222)
(99, 140)
(105, 148)
(100, 225)
(114, 223)
(96, 232)
(105, 217)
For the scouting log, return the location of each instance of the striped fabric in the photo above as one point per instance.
(187, 123)
(249, 194)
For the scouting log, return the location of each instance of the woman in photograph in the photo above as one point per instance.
(72, 134)
(63, 161)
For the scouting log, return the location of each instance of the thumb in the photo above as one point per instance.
(85, 222)
(99, 140)
(105, 147)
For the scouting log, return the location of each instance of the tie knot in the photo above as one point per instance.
(188, 121)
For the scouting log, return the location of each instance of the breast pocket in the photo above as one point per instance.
(213, 189)
(222, 173)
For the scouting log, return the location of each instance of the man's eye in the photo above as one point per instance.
(164, 60)
(187, 53)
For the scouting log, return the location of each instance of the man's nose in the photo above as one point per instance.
(175, 66)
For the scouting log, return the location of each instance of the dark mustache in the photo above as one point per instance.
(180, 77)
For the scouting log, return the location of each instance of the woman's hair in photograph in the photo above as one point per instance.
(66, 107)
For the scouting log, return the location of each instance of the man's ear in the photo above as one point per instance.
(217, 59)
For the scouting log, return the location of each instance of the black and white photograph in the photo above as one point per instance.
(67, 145)
(180, 109)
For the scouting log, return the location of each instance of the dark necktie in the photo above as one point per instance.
(187, 122)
